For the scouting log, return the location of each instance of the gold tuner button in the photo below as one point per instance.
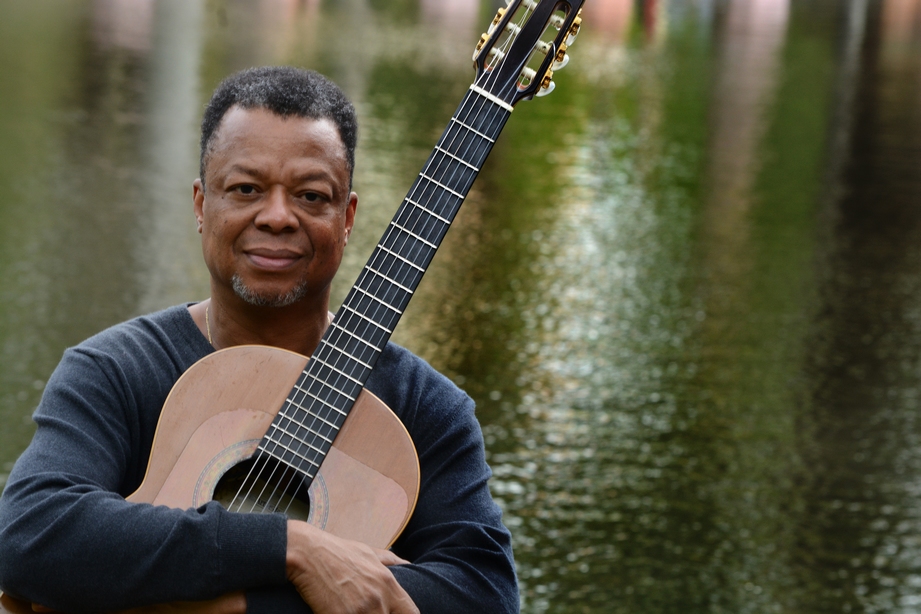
(546, 87)
(560, 61)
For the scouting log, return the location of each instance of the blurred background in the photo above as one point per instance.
(685, 290)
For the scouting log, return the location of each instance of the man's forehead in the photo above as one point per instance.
(239, 119)
(260, 129)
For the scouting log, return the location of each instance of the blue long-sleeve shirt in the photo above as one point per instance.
(69, 540)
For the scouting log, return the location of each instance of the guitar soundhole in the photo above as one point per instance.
(259, 486)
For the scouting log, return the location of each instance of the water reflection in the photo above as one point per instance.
(683, 290)
(860, 516)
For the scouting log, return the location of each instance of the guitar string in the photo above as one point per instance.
(420, 227)
(341, 371)
(390, 238)
(384, 241)
(432, 170)
(436, 163)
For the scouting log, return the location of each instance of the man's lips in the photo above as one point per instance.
(272, 259)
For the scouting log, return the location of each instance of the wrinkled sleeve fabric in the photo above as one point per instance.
(68, 538)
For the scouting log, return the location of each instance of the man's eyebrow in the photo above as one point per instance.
(252, 172)
(308, 176)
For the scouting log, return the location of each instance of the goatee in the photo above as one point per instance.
(268, 300)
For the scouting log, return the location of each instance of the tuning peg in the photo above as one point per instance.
(561, 61)
(528, 75)
(546, 87)
(479, 46)
(486, 35)
(496, 20)
(574, 29)
(562, 58)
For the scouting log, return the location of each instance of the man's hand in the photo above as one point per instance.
(335, 575)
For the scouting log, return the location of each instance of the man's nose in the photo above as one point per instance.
(276, 213)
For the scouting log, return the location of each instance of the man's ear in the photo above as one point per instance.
(350, 209)
(198, 202)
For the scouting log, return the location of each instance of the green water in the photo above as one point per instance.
(685, 290)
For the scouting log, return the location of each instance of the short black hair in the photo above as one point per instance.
(285, 91)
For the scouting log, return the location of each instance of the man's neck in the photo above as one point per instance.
(230, 321)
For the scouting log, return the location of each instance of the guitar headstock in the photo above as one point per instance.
(526, 42)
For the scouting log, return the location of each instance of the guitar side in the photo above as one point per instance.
(219, 410)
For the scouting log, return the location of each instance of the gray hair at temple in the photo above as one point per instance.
(285, 91)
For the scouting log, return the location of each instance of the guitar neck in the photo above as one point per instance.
(317, 406)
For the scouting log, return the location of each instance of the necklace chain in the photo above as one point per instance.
(208, 323)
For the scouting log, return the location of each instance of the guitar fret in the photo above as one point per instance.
(414, 235)
(382, 302)
(292, 452)
(429, 211)
(319, 400)
(364, 317)
(442, 186)
(354, 336)
(335, 369)
(313, 415)
(399, 257)
(473, 130)
(297, 439)
(398, 285)
(351, 357)
(462, 161)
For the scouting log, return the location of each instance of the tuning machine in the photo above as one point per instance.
(486, 35)
(574, 29)
(562, 58)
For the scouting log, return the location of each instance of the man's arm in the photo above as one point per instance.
(335, 575)
(460, 551)
(61, 516)
(69, 540)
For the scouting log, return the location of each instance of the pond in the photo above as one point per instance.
(685, 290)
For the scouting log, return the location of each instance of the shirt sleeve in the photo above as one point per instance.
(460, 551)
(68, 538)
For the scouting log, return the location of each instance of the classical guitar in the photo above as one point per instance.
(263, 429)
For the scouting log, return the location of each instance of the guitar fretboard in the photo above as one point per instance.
(317, 406)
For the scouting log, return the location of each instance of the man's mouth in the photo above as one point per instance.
(272, 259)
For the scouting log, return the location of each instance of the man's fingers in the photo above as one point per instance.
(388, 558)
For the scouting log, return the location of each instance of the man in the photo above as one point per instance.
(275, 208)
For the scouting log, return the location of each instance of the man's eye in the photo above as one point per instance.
(245, 189)
(310, 197)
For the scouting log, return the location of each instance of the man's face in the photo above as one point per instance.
(277, 210)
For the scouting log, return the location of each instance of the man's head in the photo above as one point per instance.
(287, 92)
(277, 154)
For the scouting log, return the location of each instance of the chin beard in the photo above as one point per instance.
(268, 300)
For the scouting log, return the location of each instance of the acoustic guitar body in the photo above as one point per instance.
(219, 411)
